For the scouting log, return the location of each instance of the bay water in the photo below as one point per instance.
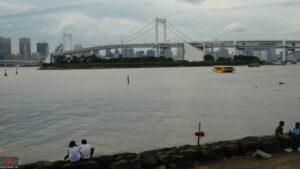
(42, 110)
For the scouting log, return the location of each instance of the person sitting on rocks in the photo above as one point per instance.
(86, 150)
(73, 153)
(283, 138)
(295, 135)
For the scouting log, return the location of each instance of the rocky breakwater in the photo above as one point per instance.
(169, 158)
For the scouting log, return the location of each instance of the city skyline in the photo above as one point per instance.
(100, 22)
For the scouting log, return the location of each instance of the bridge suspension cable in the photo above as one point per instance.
(179, 37)
(58, 45)
(177, 30)
(137, 32)
(139, 35)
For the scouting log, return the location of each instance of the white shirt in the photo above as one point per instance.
(74, 154)
(85, 150)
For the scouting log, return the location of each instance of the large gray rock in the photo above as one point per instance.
(104, 161)
(27, 166)
(270, 147)
(122, 164)
(168, 149)
(39, 165)
(172, 166)
(249, 144)
(173, 150)
(177, 158)
(82, 165)
(149, 157)
(126, 156)
(262, 155)
(190, 154)
(163, 157)
(161, 167)
(207, 154)
(48, 166)
(231, 150)
(136, 163)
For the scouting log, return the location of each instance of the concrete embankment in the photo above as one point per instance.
(169, 158)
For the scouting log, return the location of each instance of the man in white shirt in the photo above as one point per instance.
(86, 150)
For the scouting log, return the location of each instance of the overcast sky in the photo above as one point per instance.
(107, 21)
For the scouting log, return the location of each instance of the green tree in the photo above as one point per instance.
(209, 58)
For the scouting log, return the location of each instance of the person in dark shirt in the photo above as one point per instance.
(295, 135)
(283, 138)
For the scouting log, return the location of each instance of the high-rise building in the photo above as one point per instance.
(42, 48)
(262, 53)
(272, 54)
(150, 53)
(108, 53)
(25, 47)
(249, 52)
(116, 53)
(1, 55)
(139, 54)
(5, 47)
(223, 52)
(165, 52)
(297, 55)
(127, 52)
(216, 55)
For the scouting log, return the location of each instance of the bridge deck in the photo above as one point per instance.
(289, 44)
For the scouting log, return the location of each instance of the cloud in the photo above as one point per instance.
(66, 22)
(289, 3)
(293, 31)
(115, 27)
(7, 26)
(12, 6)
(194, 1)
(63, 27)
(108, 21)
(235, 28)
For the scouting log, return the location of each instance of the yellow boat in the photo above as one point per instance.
(224, 69)
(254, 65)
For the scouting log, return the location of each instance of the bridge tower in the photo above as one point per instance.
(67, 42)
(162, 21)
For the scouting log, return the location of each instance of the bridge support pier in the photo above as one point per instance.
(180, 53)
(204, 49)
(51, 59)
(290, 55)
(284, 51)
(235, 50)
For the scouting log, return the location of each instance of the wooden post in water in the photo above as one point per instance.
(128, 80)
(198, 143)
